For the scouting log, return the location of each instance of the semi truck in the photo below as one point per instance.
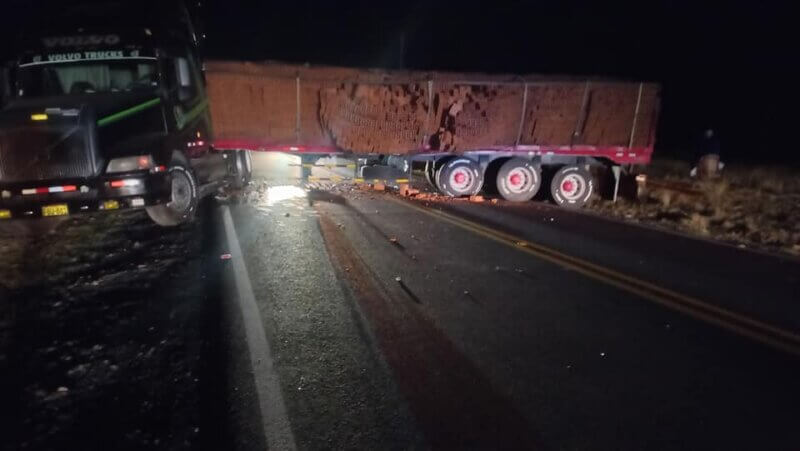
(507, 133)
(105, 108)
(97, 117)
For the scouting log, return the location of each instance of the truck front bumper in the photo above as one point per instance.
(69, 196)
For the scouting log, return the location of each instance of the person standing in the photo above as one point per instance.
(708, 156)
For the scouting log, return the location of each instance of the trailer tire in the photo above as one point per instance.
(459, 176)
(436, 168)
(242, 168)
(518, 179)
(572, 186)
(183, 200)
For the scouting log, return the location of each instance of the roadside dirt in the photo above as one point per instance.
(108, 336)
(753, 207)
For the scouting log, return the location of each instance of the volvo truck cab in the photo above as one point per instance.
(98, 117)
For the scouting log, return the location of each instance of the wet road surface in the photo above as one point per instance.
(393, 324)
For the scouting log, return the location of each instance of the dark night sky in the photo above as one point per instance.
(732, 65)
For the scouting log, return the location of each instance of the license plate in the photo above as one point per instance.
(55, 210)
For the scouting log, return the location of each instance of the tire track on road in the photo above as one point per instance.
(454, 403)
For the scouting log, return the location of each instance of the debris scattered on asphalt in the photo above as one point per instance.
(398, 279)
(287, 214)
(476, 198)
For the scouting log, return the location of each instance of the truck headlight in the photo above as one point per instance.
(127, 164)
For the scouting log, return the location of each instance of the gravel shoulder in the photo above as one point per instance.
(109, 336)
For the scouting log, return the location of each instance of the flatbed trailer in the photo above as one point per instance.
(472, 131)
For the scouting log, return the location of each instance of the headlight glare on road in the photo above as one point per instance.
(126, 164)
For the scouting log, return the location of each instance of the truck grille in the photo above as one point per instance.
(36, 154)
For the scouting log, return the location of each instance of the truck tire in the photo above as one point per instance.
(184, 197)
(243, 168)
(459, 176)
(572, 186)
(519, 179)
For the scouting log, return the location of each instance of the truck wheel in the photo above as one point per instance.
(572, 186)
(243, 168)
(460, 176)
(183, 200)
(518, 179)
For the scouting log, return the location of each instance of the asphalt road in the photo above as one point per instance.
(393, 328)
(317, 315)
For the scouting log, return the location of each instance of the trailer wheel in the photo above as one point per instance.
(183, 199)
(436, 168)
(572, 186)
(518, 179)
(459, 176)
(243, 168)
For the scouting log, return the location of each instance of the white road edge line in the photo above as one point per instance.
(275, 420)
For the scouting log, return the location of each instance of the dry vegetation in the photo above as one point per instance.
(757, 207)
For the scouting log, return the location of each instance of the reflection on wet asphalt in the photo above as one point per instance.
(105, 326)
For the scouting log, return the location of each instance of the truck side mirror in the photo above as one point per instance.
(184, 76)
(183, 73)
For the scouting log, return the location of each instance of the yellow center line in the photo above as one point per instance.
(701, 310)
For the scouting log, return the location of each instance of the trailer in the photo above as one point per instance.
(504, 133)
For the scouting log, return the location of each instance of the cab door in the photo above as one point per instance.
(192, 119)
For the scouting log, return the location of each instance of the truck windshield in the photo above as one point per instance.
(56, 79)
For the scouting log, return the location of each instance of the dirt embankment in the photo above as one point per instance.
(755, 207)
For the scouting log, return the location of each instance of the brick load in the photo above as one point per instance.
(401, 112)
